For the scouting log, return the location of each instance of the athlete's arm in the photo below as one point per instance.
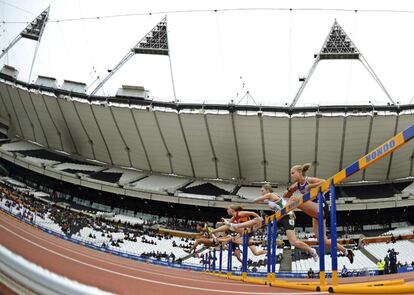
(314, 182)
(268, 196)
(293, 188)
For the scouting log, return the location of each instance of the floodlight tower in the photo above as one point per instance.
(338, 46)
(154, 42)
(33, 31)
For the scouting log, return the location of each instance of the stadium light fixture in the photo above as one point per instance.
(33, 31)
(338, 46)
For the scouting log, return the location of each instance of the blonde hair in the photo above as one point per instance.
(267, 187)
(302, 168)
(236, 207)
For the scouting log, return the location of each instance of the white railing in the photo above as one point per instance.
(38, 279)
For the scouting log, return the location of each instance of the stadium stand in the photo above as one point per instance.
(160, 184)
(361, 263)
(403, 248)
(120, 233)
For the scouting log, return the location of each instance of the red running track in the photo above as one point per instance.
(113, 273)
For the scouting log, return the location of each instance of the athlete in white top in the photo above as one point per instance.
(276, 203)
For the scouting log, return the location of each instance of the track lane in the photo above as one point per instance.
(113, 273)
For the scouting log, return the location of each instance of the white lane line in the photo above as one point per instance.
(143, 279)
(96, 258)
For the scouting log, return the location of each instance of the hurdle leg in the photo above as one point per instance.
(229, 259)
(214, 260)
(205, 261)
(220, 259)
(269, 250)
(244, 260)
(333, 235)
(321, 240)
(209, 260)
(274, 248)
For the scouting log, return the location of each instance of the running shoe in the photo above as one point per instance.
(350, 256)
(314, 255)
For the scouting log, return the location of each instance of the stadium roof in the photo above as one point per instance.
(232, 144)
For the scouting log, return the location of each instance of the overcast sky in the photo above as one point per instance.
(214, 53)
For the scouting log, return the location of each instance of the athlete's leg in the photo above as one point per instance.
(257, 252)
(327, 241)
(237, 253)
(250, 223)
(222, 228)
(291, 235)
(205, 241)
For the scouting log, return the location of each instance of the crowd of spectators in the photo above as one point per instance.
(188, 243)
(71, 223)
(159, 256)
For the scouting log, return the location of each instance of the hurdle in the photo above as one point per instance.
(229, 259)
(220, 258)
(382, 287)
(214, 260)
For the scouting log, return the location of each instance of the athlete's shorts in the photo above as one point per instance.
(235, 247)
(287, 223)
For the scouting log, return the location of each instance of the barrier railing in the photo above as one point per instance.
(37, 279)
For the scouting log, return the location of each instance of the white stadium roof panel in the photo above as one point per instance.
(15, 107)
(222, 137)
(130, 133)
(29, 111)
(113, 140)
(194, 126)
(46, 122)
(303, 141)
(329, 146)
(276, 140)
(76, 128)
(175, 142)
(10, 110)
(53, 111)
(249, 143)
(88, 120)
(151, 137)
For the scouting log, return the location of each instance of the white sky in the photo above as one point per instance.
(210, 51)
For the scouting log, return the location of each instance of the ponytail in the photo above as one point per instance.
(305, 167)
(302, 168)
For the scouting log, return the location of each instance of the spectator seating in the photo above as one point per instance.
(360, 262)
(160, 184)
(228, 187)
(409, 230)
(253, 192)
(21, 145)
(405, 249)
